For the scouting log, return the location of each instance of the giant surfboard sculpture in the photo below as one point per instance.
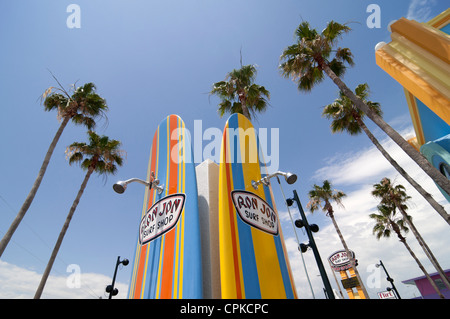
(167, 263)
(253, 258)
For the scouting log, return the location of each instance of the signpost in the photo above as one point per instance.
(340, 262)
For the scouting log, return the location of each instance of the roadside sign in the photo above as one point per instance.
(386, 295)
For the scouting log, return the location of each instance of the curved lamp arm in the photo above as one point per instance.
(121, 186)
(290, 179)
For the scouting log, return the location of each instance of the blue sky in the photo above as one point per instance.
(150, 59)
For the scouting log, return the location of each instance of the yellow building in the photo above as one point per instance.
(418, 57)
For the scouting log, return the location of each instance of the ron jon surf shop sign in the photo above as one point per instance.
(340, 261)
(254, 211)
(161, 217)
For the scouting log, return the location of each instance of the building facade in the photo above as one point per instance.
(425, 288)
(418, 57)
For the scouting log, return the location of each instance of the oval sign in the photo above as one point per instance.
(340, 261)
(254, 211)
(161, 217)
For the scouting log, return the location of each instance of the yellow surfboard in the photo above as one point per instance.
(253, 257)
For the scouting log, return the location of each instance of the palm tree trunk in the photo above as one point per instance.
(433, 284)
(61, 235)
(350, 257)
(416, 156)
(242, 99)
(245, 111)
(424, 246)
(12, 228)
(441, 211)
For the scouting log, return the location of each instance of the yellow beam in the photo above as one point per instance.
(417, 123)
(433, 70)
(436, 42)
(350, 293)
(441, 20)
(414, 83)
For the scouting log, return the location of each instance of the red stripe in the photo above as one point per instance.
(143, 252)
(232, 222)
(169, 243)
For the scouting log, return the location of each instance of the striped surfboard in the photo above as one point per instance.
(167, 262)
(253, 257)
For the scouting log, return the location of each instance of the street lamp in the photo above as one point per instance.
(121, 186)
(304, 247)
(290, 179)
(388, 278)
(110, 288)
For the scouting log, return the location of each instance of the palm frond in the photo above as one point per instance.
(320, 197)
(304, 60)
(334, 30)
(102, 154)
(239, 90)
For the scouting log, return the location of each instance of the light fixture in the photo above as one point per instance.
(110, 288)
(303, 247)
(290, 179)
(121, 186)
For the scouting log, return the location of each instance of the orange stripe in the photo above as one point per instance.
(143, 252)
(169, 246)
(232, 223)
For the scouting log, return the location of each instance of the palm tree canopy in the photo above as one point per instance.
(321, 197)
(386, 221)
(101, 154)
(303, 61)
(83, 106)
(345, 115)
(238, 91)
(391, 194)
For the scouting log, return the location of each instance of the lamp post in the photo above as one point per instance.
(309, 230)
(388, 278)
(110, 288)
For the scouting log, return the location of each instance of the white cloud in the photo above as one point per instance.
(363, 165)
(21, 283)
(420, 10)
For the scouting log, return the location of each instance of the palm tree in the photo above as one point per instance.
(83, 107)
(313, 56)
(346, 117)
(386, 222)
(103, 156)
(320, 197)
(239, 93)
(395, 195)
